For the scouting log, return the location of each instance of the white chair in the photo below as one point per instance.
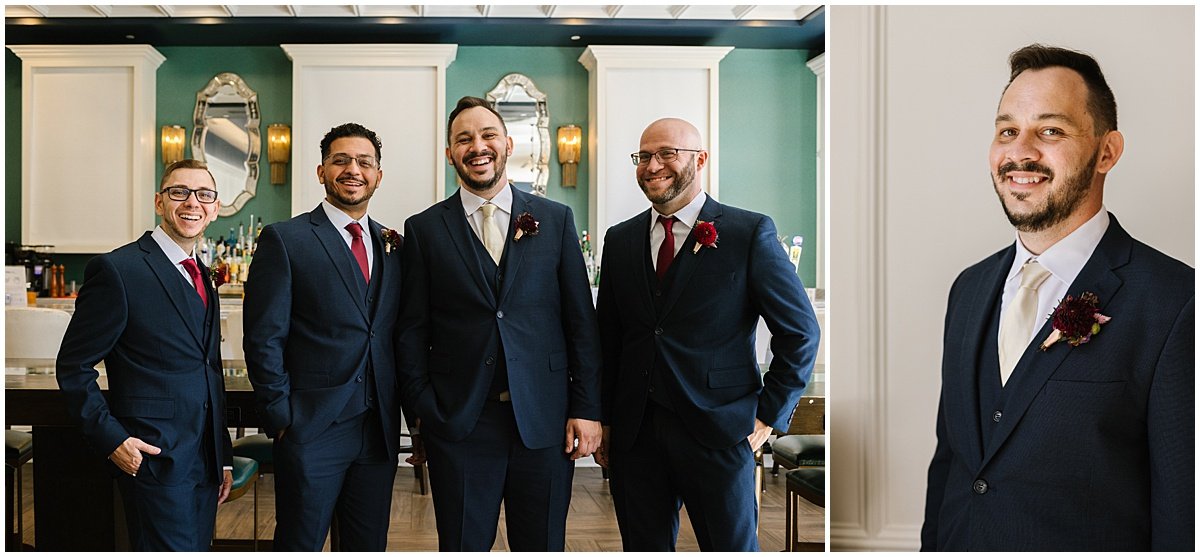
(232, 348)
(34, 333)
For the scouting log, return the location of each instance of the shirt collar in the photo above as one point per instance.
(687, 215)
(1066, 258)
(169, 247)
(340, 219)
(471, 202)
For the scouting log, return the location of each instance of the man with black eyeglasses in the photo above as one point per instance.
(149, 311)
(685, 407)
(321, 301)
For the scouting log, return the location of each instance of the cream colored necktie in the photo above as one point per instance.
(493, 239)
(1020, 317)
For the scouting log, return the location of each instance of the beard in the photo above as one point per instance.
(683, 180)
(1060, 202)
(498, 160)
(344, 198)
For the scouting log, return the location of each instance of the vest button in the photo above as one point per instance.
(500, 314)
(996, 416)
(490, 360)
(980, 487)
(658, 330)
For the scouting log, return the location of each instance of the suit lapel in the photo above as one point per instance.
(638, 253)
(687, 259)
(1036, 366)
(514, 250)
(382, 268)
(339, 256)
(174, 284)
(461, 236)
(962, 385)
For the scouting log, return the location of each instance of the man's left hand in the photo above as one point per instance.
(226, 485)
(587, 433)
(761, 433)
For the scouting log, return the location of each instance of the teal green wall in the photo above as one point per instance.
(768, 142)
(557, 72)
(768, 123)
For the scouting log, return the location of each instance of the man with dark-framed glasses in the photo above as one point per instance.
(321, 301)
(684, 405)
(149, 311)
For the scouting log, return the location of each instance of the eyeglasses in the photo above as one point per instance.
(366, 162)
(664, 156)
(180, 193)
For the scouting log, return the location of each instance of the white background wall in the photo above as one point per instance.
(913, 97)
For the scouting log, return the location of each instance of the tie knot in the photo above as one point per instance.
(190, 265)
(667, 222)
(1033, 274)
(355, 229)
(488, 210)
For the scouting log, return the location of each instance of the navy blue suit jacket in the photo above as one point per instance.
(453, 323)
(165, 384)
(704, 334)
(312, 333)
(1095, 447)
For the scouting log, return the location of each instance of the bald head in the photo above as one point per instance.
(668, 178)
(682, 132)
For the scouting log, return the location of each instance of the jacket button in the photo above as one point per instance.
(490, 360)
(500, 314)
(358, 379)
(980, 487)
(658, 330)
(645, 373)
(996, 416)
(372, 334)
(657, 292)
(206, 406)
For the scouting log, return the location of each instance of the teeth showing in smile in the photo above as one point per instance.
(193, 218)
(1033, 180)
(480, 161)
(658, 179)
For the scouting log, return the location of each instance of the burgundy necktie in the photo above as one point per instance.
(359, 249)
(193, 269)
(666, 250)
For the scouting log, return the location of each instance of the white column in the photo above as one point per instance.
(88, 142)
(628, 88)
(396, 90)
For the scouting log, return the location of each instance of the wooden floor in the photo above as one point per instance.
(591, 523)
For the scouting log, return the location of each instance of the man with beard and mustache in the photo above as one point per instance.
(1075, 431)
(685, 406)
(321, 302)
(498, 349)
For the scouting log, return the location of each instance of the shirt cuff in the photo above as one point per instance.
(227, 468)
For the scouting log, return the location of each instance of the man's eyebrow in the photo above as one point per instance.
(1043, 116)
(468, 132)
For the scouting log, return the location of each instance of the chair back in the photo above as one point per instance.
(34, 332)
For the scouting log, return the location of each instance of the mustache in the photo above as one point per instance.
(1024, 167)
(483, 153)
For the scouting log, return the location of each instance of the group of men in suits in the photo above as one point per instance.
(479, 322)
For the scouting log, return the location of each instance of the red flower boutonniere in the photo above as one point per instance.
(391, 239)
(218, 275)
(1076, 320)
(526, 226)
(705, 234)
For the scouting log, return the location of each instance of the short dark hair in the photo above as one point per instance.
(1101, 104)
(351, 129)
(467, 103)
(185, 163)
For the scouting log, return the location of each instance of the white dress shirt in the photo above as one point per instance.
(1065, 259)
(174, 253)
(471, 204)
(340, 220)
(685, 219)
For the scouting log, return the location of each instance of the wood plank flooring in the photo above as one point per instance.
(591, 522)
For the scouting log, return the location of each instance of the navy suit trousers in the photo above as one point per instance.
(667, 467)
(170, 517)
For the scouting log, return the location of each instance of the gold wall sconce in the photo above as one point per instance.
(279, 150)
(172, 144)
(570, 138)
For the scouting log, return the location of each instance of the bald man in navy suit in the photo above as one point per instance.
(1055, 435)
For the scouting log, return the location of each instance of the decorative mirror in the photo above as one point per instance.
(225, 136)
(523, 108)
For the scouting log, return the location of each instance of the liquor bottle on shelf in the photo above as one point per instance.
(589, 258)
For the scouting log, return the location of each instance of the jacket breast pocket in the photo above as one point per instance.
(142, 407)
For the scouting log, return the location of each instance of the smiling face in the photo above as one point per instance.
(479, 150)
(349, 187)
(1047, 162)
(185, 221)
(670, 186)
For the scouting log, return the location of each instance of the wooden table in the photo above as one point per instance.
(75, 498)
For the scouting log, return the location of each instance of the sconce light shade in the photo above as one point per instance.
(279, 150)
(172, 144)
(570, 137)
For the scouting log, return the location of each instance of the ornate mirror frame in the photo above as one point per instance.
(529, 165)
(208, 101)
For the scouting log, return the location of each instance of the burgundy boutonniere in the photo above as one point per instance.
(391, 239)
(218, 275)
(1076, 320)
(705, 234)
(526, 226)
